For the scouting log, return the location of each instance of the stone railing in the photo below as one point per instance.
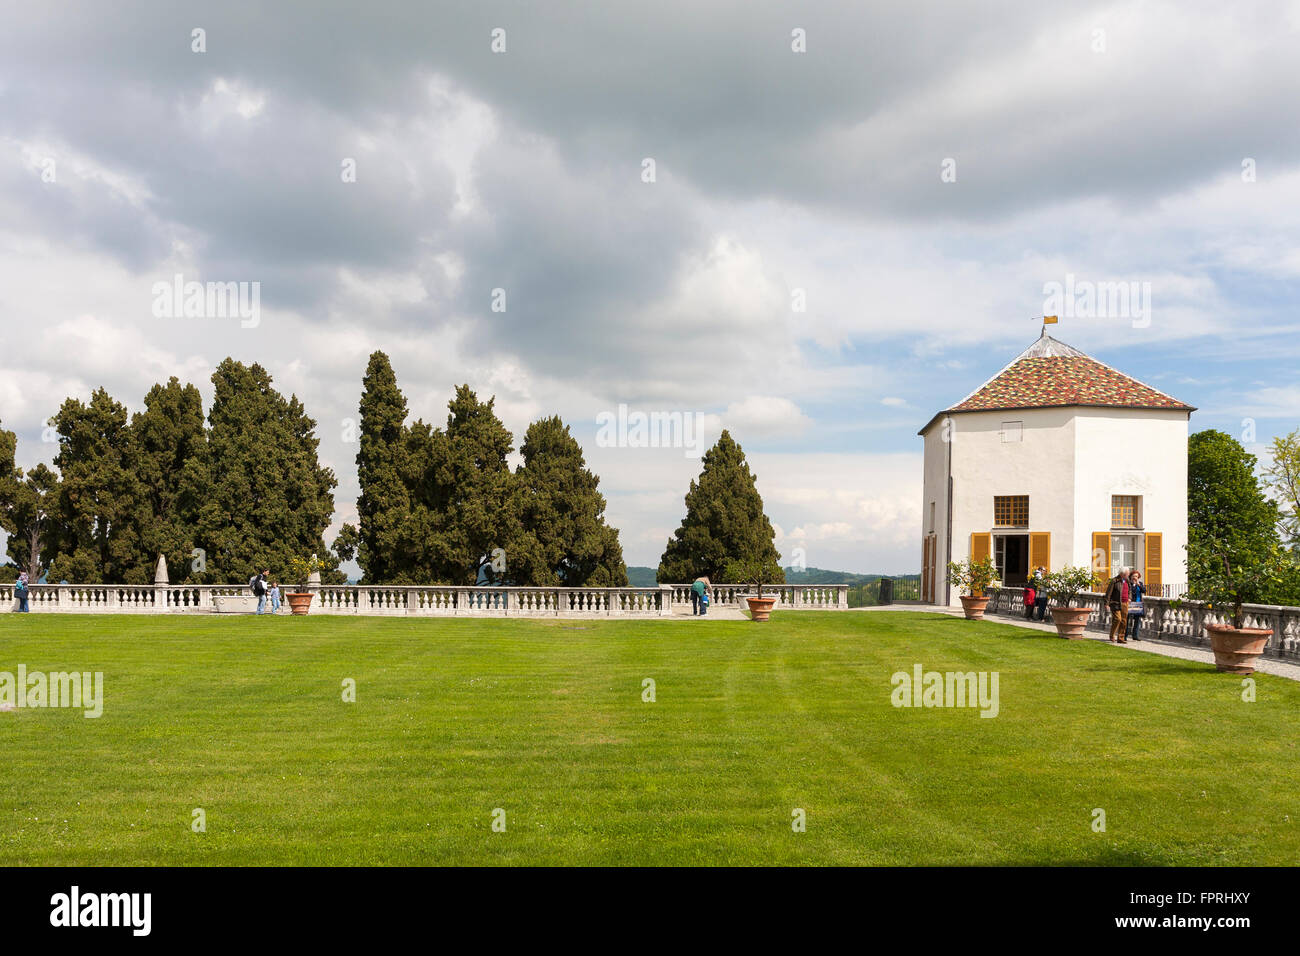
(413, 600)
(1180, 621)
(789, 597)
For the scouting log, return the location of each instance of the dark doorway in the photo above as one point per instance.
(1011, 554)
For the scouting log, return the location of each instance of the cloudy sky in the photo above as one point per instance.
(853, 217)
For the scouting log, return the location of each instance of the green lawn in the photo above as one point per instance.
(545, 719)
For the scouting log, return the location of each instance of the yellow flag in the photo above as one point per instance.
(1049, 320)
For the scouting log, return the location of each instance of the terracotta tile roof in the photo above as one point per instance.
(1052, 374)
(1038, 382)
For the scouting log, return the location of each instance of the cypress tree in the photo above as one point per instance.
(169, 450)
(270, 499)
(724, 521)
(384, 507)
(98, 513)
(475, 482)
(562, 536)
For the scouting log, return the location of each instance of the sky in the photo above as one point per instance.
(815, 224)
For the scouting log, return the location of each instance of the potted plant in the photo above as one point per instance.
(973, 577)
(755, 572)
(1225, 578)
(1063, 589)
(301, 572)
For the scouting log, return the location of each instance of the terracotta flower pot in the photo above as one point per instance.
(1236, 649)
(760, 608)
(974, 606)
(1070, 621)
(299, 601)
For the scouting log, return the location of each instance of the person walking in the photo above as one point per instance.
(1136, 591)
(1117, 599)
(258, 584)
(275, 597)
(22, 593)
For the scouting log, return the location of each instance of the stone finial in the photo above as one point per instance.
(160, 572)
(313, 579)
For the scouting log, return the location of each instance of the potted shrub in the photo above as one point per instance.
(301, 572)
(1063, 589)
(1225, 578)
(755, 572)
(973, 577)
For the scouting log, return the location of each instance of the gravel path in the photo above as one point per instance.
(1203, 655)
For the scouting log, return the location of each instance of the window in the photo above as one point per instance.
(1011, 511)
(1123, 552)
(931, 517)
(1124, 511)
(1012, 431)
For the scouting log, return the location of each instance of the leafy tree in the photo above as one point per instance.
(99, 510)
(270, 499)
(347, 542)
(1224, 500)
(724, 521)
(1227, 577)
(169, 452)
(27, 519)
(25, 501)
(562, 536)
(1282, 478)
(385, 502)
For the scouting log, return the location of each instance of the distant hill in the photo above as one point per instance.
(645, 577)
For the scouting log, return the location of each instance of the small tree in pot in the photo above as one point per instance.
(973, 578)
(1063, 589)
(300, 572)
(755, 572)
(1226, 578)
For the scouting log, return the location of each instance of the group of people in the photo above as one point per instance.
(1124, 598)
(265, 589)
(1036, 595)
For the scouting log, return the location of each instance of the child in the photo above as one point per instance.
(275, 597)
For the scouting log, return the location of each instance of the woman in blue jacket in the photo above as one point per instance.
(1135, 613)
(22, 593)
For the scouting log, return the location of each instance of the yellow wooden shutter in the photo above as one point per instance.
(981, 545)
(1040, 551)
(1155, 556)
(1101, 555)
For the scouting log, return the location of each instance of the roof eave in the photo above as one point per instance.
(1030, 408)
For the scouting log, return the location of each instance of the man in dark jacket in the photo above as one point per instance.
(1117, 598)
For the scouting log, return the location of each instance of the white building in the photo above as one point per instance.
(1058, 459)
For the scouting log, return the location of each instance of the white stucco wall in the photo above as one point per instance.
(1133, 452)
(936, 491)
(1069, 461)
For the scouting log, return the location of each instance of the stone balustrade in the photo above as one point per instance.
(789, 597)
(1180, 621)
(418, 600)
